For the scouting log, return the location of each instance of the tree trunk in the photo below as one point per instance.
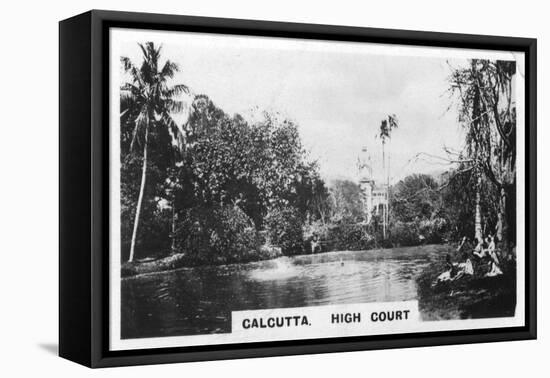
(140, 198)
(173, 233)
(477, 220)
(384, 219)
(502, 225)
(383, 205)
(322, 215)
(388, 186)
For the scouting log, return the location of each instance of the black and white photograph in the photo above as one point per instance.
(267, 189)
(273, 189)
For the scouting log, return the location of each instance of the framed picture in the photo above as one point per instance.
(234, 188)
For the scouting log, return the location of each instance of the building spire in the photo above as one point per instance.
(364, 165)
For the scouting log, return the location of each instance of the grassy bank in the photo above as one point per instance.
(469, 297)
(171, 262)
(183, 260)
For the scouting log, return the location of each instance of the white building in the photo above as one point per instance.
(375, 197)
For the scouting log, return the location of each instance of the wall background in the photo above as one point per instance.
(29, 189)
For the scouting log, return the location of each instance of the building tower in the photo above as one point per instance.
(374, 197)
(366, 182)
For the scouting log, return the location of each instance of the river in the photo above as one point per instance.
(200, 300)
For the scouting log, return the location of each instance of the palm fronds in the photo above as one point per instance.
(147, 101)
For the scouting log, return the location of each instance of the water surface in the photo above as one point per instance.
(200, 300)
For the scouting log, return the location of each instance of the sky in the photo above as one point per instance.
(337, 92)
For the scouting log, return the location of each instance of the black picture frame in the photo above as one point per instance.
(84, 187)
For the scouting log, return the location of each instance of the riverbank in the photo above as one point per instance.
(182, 260)
(469, 297)
(134, 268)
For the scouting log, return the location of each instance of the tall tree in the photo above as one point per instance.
(386, 127)
(488, 112)
(147, 101)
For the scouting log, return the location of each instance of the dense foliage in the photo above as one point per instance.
(213, 183)
(219, 188)
(487, 112)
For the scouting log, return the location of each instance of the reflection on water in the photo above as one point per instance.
(200, 300)
(282, 269)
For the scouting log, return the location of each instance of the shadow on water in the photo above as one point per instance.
(200, 300)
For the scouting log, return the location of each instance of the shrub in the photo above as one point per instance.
(217, 236)
(405, 233)
(234, 236)
(354, 237)
(284, 227)
(426, 231)
(432, 230)
(316, 229)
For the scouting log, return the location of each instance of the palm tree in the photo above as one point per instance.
(147, 101)
(386, 127)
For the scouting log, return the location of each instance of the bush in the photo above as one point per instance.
(405, 233)
(316, 229)
(284, 228)
(217, 236)
(427, 231)
(353, 237)
(234, 236)
(432, 230)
